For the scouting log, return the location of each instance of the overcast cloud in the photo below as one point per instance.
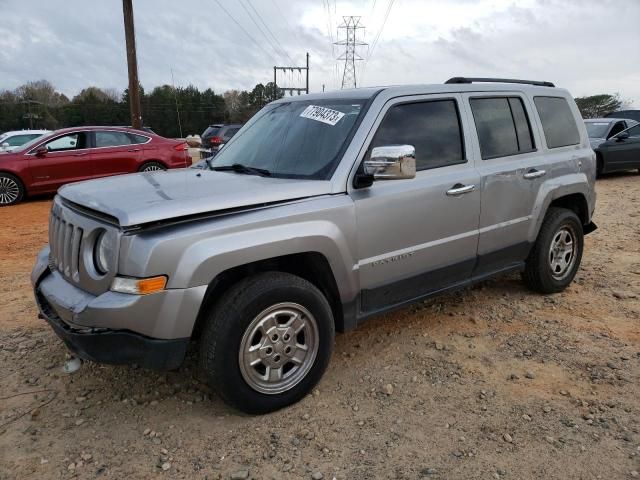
(586, 46)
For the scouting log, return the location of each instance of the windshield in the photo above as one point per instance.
(597, 129)
(302, 139)
(210, 131)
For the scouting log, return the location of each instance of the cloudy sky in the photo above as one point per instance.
(587, 46)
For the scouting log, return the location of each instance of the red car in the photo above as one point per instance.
(83, 153)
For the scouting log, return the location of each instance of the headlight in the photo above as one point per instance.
(103, 253)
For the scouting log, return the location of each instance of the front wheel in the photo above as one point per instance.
(267, 342)
(555, 258)
(11, 190)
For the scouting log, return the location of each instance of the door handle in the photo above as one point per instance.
(533, 173)
(79, 154)
(460, 189)
(134, 150)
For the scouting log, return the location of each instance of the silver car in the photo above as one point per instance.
(324, 210)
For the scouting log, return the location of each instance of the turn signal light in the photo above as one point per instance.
(139, 286)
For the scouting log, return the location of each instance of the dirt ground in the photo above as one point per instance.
(491, 382)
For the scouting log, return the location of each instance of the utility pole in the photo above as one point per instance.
(351, 25)
(132, 63)
(291, 89)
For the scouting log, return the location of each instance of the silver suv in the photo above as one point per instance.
(322, 211)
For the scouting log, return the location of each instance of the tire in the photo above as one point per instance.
(599, 165)
(11, 190)
(256, 306)
(152, 167)
(551, 272)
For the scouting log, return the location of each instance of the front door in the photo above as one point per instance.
(623, 153)
(67, 159)
(418, 236)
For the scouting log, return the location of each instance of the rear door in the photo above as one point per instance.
(115, 152)
(68, 159)
(511, 169)
(418, 236)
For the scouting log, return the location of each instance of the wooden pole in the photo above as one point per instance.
(132, 63)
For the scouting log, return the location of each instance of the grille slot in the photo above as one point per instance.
(65, 240)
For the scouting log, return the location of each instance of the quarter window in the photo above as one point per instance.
(137, 139)
(558, 122)
(433, 128)
(502, 125)
(112, 139)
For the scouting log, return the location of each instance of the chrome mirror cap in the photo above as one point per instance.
(392, 162)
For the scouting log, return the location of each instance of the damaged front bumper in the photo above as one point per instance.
(117, 328)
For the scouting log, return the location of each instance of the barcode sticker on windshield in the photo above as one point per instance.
(322, 114)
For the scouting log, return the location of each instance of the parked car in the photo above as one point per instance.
(215, 136)
(81, 153)
(10, 141)
(620, 152)
(630, 114)
(601, 129)
(328, 209)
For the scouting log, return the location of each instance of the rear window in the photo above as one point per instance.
(558, 122)
(210, 131)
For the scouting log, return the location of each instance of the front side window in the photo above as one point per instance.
(298, 139)
(558, 123)
(112, 139)
(72, 141)
(502, 125)
(432, 127)
(634, 131)
(617, 128)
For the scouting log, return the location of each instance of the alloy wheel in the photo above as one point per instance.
(9, 191)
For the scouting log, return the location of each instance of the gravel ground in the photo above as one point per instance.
(490, 382)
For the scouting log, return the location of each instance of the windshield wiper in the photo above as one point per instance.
(239, 168)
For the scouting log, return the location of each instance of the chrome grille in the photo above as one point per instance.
(65, 240)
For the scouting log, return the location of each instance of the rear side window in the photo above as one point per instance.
(502, 125)
(558, 122)
(433, 128)
(137, 139)
(112, 139)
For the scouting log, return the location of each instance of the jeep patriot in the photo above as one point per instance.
(323, 210)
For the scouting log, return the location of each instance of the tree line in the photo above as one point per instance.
(169, 111)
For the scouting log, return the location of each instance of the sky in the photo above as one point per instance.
(586, 46)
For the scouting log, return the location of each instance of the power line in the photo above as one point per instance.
(386, 16)
(269, 30)
(242, 28)
(269, 41)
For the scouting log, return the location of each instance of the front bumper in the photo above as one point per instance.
(152, 331)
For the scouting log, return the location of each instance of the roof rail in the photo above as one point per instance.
(498, 80)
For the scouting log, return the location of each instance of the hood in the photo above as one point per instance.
(152, 196)
(595, 142)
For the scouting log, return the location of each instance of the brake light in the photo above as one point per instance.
(181, 146)
(216, 140)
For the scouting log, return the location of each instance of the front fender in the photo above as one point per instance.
(206, 259)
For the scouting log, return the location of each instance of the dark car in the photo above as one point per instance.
(602, 129)
(83, 153)
(620, 152)
(218, 134)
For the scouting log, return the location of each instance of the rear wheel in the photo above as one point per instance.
(152, 167)
(267, 342)
(11, 189)
(555, 258)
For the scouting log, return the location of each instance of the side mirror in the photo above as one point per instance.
(621, 136)
(41, 151)
(393, 162)
(5, 145)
